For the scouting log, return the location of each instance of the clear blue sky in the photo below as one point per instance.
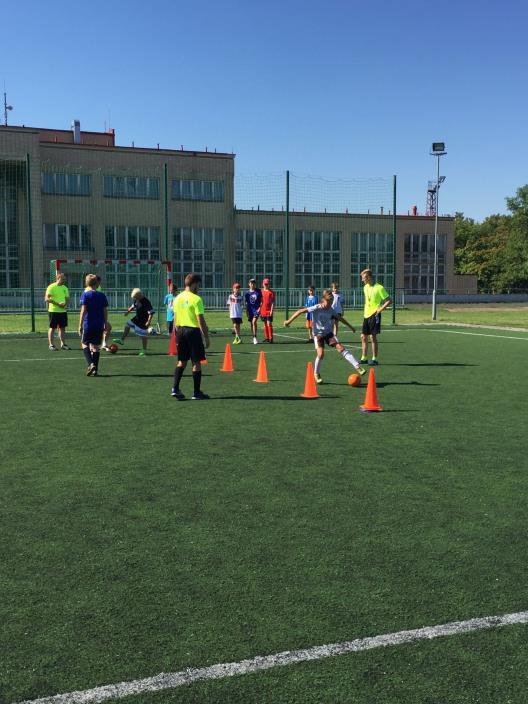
(339, 89)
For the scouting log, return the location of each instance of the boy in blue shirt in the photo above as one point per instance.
(93, 323)
(311, 300)
(167, 302)
(253, 300)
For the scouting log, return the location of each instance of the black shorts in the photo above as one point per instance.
(190, 345)
(236, 321)
(267, 318)
(372, 325)
(92, 337)
(170, 325)
(329, 339)
(253, 316)
(58, 320)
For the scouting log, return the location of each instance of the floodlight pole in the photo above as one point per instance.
(438, 150)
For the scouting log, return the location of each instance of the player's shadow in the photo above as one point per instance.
(249, 397)
(429, 364)
(383, 384)
(170, 375)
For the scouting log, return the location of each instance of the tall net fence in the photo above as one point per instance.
(122, 216)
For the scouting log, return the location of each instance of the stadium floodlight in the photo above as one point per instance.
(6, 109)
(437, 150)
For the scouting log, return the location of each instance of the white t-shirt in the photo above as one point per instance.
(322, 319)
(235, 306)
(337, 304)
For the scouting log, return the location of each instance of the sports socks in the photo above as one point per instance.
(95, 359)
(178, 373)
(317, 365)
(346, 354)
(197, 380)
(87, 355)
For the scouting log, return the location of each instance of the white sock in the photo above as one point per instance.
(346, 354)
(317, 365)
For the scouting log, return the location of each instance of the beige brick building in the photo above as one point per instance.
(91, 199)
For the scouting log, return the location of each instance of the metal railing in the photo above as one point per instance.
(18, 300)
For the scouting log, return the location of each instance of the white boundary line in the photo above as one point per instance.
(479, 334)
(171, 680)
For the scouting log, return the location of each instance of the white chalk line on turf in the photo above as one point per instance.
(479, 334)
(172, 680)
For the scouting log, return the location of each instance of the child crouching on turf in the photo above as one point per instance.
(323, 317)
(235, 311)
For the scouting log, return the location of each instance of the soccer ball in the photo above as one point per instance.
(152, 331)
(113, 348)
(354, 380)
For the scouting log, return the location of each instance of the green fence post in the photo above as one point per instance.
(166, 214)
(287, 246)
(394, 250)
(30, 244)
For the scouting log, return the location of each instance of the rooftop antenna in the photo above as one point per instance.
(6, 108)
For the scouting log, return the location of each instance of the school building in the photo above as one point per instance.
(92, 199)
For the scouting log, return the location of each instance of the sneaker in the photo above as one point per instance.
(255, 341)
(373, 362)
(363, 360)
(65, 347)
(176, 393)
(237, 341)
(318, 379)
(118, 341)
(361, 371)
(106, 349)
(52, 348)
(199, 396)
(90, 370)
(142, 353)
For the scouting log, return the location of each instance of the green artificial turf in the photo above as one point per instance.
(140, 534)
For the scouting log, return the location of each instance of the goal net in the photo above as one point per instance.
(118, 278)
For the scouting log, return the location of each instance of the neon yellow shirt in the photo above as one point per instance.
(187, 307)
(374, 297)
(59, 293)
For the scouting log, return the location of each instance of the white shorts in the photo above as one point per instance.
(142, 332)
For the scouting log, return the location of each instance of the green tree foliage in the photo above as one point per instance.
(496, 250)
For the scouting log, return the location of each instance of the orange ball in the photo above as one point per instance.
(354, 380)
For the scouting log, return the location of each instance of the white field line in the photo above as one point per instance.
(171, 680)
(479, 334)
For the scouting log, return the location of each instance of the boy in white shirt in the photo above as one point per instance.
(235, 311)
(323, 318)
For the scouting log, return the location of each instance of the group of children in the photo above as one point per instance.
(259, 303)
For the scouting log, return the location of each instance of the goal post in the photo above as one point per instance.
(118, 278)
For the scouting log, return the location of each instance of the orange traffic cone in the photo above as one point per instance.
(173, 347)
(309, 385)
(228, 361)
(371, 404)
(262, 371)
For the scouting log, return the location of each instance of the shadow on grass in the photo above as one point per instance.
(170, 375)
(266, 398)
(430, 364)
(381, 384)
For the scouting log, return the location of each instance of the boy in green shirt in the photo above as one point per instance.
(57, 297)
(376, 300)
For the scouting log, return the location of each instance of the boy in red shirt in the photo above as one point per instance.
(266, 310)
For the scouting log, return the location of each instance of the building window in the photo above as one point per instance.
(372, 250)
(199, 249)
(419, 263)
(131, 187)
(63, 184)
(260, 253)
(185, 189)
(317, 258)
(72, 238)
(138, 245)
(132, 242)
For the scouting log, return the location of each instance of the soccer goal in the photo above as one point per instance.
(118, 278)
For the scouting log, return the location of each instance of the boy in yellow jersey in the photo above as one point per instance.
(191, 334)
(376, 300)
(57, 297)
